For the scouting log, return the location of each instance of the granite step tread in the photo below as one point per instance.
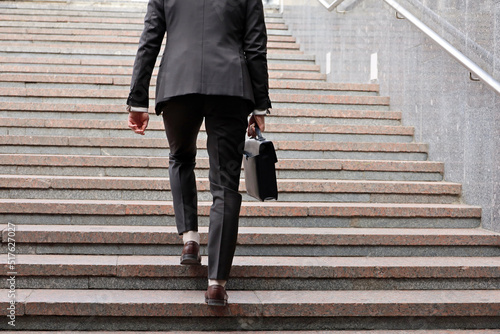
(131, 44)
(60, 11)
(155, 125)
(122, 94)
(129, 7)
(22, 51)
(258, 266)
(85, 29)
(423, 331)
(99, 49)
(248, 209)
(167, 235)
(119, 109)
(83, 71)
(287, 41)
(42, 182)
(122, 75)
(89, 12)
(284, 78)
(130, 62)
(86, 19)
(162, 143)
(169, 303)
(162, 162)
(120, 81)
(52, 50)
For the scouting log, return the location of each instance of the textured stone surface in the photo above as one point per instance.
(302, 186)
(279, 128)
(459, 118)
(21, 144)
(261, 267)
(96, 234)
(106, 108)
(250, 209)
(291, 332)
(162, 162)
(263, 303)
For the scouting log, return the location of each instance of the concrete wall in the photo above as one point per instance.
(457, 117)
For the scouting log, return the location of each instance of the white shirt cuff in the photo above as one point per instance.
(137, 109)
(260, 112)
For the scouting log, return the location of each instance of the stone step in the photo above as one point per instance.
(257, 241)
(139, 20)
(85, 165)
(158, 147)
(15, 51)
(123, 8)
(283, 79)
(82, 38)
(277, 71)
(119, 96)
(292, 214)
(115, 78)
(275, 310)
(89, 12)
(278, 115)
(423, 331)
(254, 272)
(105, 63)
(158, 189)
(95, 35)
(19, 49)
(117, 45)
(57, 12)
(112, 49)
(122, 75)
(336, 102)
(126, 21)
(118, 128)
(95, 29)
(122, 84)
(109, 6)
(259, 266)
(274, 131)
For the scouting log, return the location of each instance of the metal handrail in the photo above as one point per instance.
(459, 56)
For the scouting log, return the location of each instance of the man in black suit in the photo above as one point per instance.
(214, 68)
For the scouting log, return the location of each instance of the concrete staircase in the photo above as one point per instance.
(366, 235)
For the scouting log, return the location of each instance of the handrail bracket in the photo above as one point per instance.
(331, 6)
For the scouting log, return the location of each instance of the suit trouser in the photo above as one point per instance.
(225, 124)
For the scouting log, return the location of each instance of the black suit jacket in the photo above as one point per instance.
(214, 47)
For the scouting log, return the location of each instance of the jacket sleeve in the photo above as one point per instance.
(149, 47)
(255, 48)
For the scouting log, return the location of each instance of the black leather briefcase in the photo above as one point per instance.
(259, 164)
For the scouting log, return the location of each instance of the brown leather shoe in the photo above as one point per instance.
(191, 253)
(216, 295)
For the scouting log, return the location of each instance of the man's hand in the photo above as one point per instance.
(138, 121)
(261, 123)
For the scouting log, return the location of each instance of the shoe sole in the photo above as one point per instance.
(215, 302)
(190, 260)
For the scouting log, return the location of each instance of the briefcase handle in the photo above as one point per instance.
(259, 134)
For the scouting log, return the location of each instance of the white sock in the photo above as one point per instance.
(216, 282)
(191, 236)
